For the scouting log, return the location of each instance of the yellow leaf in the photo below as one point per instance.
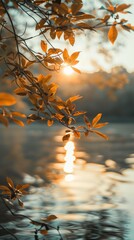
(6, 99)
(43, 46)
(96, 119)
(112, 34)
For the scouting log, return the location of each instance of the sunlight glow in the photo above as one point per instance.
(69, 157)
(67, 70)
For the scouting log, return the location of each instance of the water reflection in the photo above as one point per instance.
(69, 157)
(83, 184)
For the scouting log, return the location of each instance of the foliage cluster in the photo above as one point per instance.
(51, 20)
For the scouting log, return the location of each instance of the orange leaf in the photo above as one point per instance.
(43, 232)
(76, 7)
(10, 182)
(74, 56)
(100, 134)
(76, 69)
(18, 122)
(100, 125)
(122, 7)
(51, 217)
(43, 46)
(18, 114)
(66, 137)
(76, 134)
(6, 99)
(50, 122)
(3, 120)
(65, 55)
(112, 34)
(96, 119)
(20, 91)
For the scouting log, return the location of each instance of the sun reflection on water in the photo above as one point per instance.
(69, 157)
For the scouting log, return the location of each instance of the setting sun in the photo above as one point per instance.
(68, 70)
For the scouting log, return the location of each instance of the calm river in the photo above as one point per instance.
(88, 184)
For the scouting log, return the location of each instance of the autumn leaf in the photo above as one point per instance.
(76, 69)
(112, 34)
(4, 120)
(100, 125)
(100, 134)
(65, 55)
(20, 91)
(76, 7)
(18, 114)
(96, 119)
(7, 99)
(43, 46)
(18, 122)
(122, 7)
(66, 137)
(76, 134)
(50, 122)
(44, 232)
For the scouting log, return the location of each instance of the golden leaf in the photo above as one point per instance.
(43, 46)
(112, 34)
(96, 119)
(6, 99)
